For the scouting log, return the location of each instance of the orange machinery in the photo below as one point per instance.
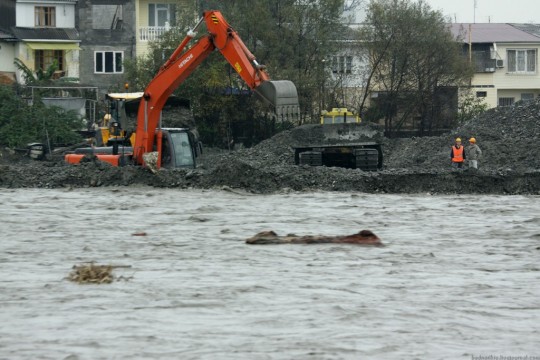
(281, 94)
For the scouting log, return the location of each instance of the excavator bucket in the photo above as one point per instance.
(282, 95)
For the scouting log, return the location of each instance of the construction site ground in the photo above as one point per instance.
(509, 138)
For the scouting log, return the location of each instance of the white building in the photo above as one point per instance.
(46, 32)
(505, 59)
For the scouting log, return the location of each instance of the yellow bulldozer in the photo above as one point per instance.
(341, 140)
(339, 116)
(114, 122)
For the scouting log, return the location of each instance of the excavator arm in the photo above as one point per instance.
(281, 94)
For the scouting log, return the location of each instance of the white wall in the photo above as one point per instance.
(7, 54)
(359, 66)
(26, 55)
(72, 63)
(65, 14)
(516, 93)
(505, 80)
(507, 84)
(354, 12)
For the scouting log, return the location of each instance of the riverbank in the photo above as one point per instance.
(237, 174)
(509, 138)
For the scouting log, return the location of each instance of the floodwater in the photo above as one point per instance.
(459, 277)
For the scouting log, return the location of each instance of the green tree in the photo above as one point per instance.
(21, 123)
(412, 58)
(470, 106)
(290, 37)
(39, 76)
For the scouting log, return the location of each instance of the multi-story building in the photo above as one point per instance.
(154, 18)
(107, 31)
(7, 42)
(117, 30)
(44, 33)
(505, 60)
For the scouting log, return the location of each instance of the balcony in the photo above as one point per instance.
(151, 33)
(483, 62)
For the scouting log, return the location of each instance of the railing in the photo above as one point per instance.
(151, 33)
(483, 63)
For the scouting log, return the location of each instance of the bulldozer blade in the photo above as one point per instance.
(282, 95)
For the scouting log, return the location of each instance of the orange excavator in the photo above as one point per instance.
(178, 147)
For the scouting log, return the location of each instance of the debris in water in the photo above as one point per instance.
(142, 233)
(93, 274)
(364, 237)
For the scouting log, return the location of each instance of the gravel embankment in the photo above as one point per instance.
(508, 137)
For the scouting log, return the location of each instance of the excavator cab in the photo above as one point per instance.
(178, 148)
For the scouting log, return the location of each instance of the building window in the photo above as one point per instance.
(45, 58)
(481, 94)
(342, 64)
(527, 96)
(108, 62)
(348, 64)
(45, 16)
(160, 14)
(521, 61)
(506, 101)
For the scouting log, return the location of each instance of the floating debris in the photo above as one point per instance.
(94, 274)
(364, 237)
(142, 233)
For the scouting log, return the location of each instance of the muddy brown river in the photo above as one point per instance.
(459, 277)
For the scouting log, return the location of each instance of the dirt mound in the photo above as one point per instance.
(508, 137)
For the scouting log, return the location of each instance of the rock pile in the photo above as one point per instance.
(509, 138)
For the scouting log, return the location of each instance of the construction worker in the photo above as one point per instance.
(457, 154)
(473, 153)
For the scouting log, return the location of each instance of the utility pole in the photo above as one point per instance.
(474, 11)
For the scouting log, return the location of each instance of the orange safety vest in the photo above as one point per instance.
(458, 154)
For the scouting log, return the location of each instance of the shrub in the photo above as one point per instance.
(21, 123)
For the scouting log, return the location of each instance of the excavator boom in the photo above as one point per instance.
(282, 94)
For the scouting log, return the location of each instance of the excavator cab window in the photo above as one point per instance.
(182, 149)
(165, 152)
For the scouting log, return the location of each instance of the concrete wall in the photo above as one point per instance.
(75, 104)
(91, 22)
(65, 14)
(7, 54)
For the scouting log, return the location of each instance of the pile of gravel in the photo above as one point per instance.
(509, 138)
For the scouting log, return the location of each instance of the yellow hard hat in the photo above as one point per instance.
(473, 140)
(458, 139)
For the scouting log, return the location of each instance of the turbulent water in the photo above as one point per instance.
(459, 277)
